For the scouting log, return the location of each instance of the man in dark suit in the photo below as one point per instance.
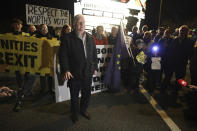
(78, 63)
(180, 51)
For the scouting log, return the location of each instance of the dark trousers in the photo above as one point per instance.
(180, 72)
(83, 85)
(155, 76)
(133, 81)
(153, 79)
(19, 79)
(46, 80)
(25, 83)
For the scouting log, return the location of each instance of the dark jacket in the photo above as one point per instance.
(180, 52)
(128, 65)
(165, 44)
(111, 40)
(72, 56)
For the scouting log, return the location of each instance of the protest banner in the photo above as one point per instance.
(27, 54)
(37, 15)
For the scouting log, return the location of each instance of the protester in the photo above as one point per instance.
(43, 32)
(165, 43)
(190, 32)
(17, 26)
(175, 33)
(78, 63)
(31, 30)
(100, 37)
(147, 38)
(113, 36)
(65, 30)
(135, 66)
(154, 66)
(194, 34)
(159, 34)
(134, 34)
(47, 79)
(180, 52)
(153, 33)
(25, 81)
(144, 29)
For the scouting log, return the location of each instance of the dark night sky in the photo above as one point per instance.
(175, 11)
(178, 12)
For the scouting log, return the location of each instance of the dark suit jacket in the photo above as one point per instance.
(72, 56)
(180, 52)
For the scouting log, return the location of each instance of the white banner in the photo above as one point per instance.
(37, 15)
(104, 53)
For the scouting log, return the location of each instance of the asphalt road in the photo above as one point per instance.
(110, 112)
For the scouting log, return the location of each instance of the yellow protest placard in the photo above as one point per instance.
(27, 54)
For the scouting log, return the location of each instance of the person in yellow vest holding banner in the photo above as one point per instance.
(31, 30)
(25, 81)
(45, 80)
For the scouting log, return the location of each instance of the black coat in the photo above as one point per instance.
(72, 56)
(180, 52)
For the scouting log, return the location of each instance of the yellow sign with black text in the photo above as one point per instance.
(27, 54)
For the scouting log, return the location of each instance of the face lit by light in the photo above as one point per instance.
(100, 30)
(183, 31)
(140, 46)
(32, 28)
(80, 25)
(44, 29)
(114, 31)
(17, 27)
(68, 29)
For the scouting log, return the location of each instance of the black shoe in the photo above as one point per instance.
(17, 107)
(74, 118)
(86, 115)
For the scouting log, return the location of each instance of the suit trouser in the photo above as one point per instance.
(180, 72)
(46, 80)
(77, 85)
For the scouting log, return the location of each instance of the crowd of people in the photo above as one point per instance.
(173, 51)
(26, 81)
(165, 52)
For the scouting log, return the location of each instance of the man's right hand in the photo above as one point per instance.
(68, 75)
